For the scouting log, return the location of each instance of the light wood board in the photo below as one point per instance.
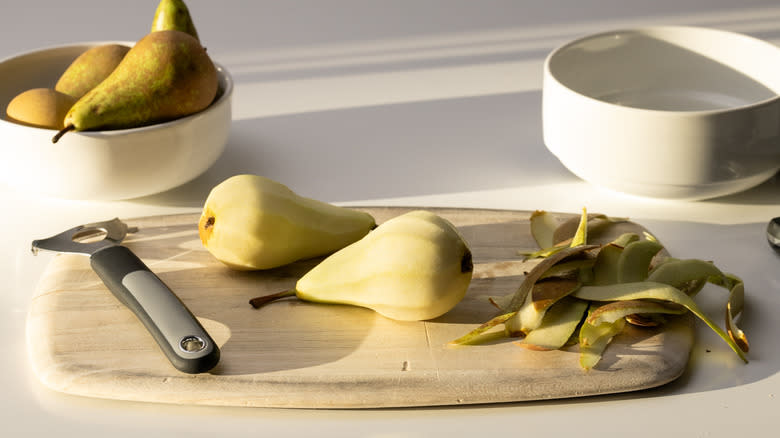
(304, 355)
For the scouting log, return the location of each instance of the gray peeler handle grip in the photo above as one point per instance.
(178, 333)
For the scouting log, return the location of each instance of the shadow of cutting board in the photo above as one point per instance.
(304, 355)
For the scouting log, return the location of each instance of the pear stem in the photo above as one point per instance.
(261, 301)
(62, 132)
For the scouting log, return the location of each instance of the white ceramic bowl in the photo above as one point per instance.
(665, 112)
(103, 165)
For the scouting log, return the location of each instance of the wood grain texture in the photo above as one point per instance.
(303, 355)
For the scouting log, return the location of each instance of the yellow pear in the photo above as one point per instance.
(413, 267)
(251, 222)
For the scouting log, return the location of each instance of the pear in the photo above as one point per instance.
(165, 76)
(173, 15)
(40, 107)
(250, 222)
(413, 267)
(90, 68)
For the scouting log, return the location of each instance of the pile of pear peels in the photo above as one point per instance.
(586, 294)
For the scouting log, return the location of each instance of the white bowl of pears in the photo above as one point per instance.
(114, 120)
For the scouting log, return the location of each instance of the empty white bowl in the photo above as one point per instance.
(103, 165)
(665, 112)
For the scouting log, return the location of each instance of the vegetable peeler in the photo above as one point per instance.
(181, 337)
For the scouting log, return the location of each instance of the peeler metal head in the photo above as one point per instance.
(85, 239)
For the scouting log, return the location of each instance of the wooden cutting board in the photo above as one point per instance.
(295, 354)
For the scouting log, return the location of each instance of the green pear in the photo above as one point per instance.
(413, 267)
(173, 15)
(90, 68)
(39, 107)
(250, 222)
(165, 76)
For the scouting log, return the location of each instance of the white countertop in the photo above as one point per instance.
(428, 103)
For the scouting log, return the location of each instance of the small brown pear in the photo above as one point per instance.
(40, 107)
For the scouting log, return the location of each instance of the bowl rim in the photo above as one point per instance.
(223, 75)
(62, 46)
(549, 76)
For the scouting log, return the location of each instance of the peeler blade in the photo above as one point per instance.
(77, 240)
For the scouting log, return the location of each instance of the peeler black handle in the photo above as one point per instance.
(181, 337)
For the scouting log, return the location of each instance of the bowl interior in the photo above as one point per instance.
(670, 69)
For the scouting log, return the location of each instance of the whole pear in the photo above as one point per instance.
(251, 222)
(413, 267)
(173, 15)
(165, 76)
(39, 107)
(90, 68)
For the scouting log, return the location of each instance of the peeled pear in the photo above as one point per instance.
(413, 267)
(173, 15)
(90, 68)
(250, 222)
(165, 76)
(40, 107)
